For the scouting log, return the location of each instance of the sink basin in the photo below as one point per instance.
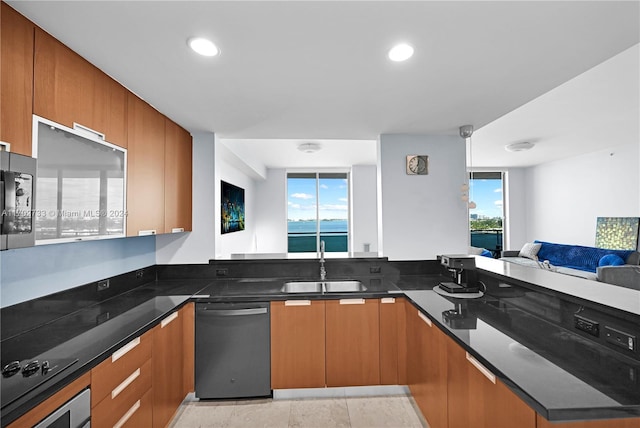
(343, 286)
(302, 287)
(323, 287)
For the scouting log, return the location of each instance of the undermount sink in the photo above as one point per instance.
(350, 286)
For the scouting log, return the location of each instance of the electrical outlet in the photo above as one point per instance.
(103, 285)
(375, 269)
(585, 324)
(620, 338)
(139, 273)
(222, 272)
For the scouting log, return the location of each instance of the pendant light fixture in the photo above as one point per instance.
(465, 132)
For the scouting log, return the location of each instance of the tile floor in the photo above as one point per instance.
(365, 412)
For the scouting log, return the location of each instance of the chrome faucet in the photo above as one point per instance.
(323, 271)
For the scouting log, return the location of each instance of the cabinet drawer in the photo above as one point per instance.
(115, 369)
(122, 398)
(140, 414)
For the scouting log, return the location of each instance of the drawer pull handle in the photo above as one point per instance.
(126, 348)
(485, 371)
(118, 389)
(123, 420)
(168, 319)
(388, 300)
(352, 301)
(426, 319)
(297, 302)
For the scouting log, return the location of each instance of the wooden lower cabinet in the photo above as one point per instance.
(476, 398)
(168, 384)
(189, 346)
(391, 313)
(427, 367)
(298, 344)
(353, 342)
(608, 423)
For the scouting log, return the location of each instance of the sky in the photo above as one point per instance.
(301, 198)
(487, 194)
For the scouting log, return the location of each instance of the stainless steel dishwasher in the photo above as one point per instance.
(233, 350)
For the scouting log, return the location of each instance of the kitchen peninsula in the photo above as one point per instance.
(520, 337)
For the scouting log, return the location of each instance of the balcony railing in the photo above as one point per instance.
(491, 239)
(301, 242)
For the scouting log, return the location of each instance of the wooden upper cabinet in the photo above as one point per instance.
(298, 344)
(145, 168)
(68, 89)
(353, 342)
(177, 178)
(16, 80)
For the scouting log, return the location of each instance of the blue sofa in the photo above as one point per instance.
(585, 262)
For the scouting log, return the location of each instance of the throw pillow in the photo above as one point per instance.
(486, 253)
(611, 260)
(530, 251)
(475, 251)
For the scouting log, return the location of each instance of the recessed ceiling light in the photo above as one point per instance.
(401, 52)
(519, 147)
(203, 46)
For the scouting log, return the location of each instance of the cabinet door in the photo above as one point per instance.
(177, 178)
(16, 80)
(145, 169)
(298, 344)
(189, 346)
(427, 367)
(68, 89)
(434, 352)
(167, 368)
(353, 342)
(476, 398)
(389, 341)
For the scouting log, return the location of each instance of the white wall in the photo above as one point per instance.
(229, 168)
(516, 217)
(422, 216)
(197, 246)
(271, 220)
(564, 198)
(364, 215)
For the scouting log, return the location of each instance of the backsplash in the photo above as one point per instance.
(29, 273)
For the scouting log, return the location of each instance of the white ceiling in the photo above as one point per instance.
(318, 70)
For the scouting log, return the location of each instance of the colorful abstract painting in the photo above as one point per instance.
(232, 208)
(617, 233)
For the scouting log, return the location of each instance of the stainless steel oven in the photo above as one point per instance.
(75, 413)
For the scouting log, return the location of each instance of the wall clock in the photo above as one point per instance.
(417, 165)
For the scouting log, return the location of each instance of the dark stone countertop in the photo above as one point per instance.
(561, 375)
(558, 373)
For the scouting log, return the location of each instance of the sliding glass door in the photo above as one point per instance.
(317, 211)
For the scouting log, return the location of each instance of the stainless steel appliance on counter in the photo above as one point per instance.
(17, 199)
(233, 350)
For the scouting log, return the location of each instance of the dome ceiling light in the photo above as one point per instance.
(309, 147)
(401, 52)
(202, 46)
(519, 147)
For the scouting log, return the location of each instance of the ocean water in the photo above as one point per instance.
(310, 226)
